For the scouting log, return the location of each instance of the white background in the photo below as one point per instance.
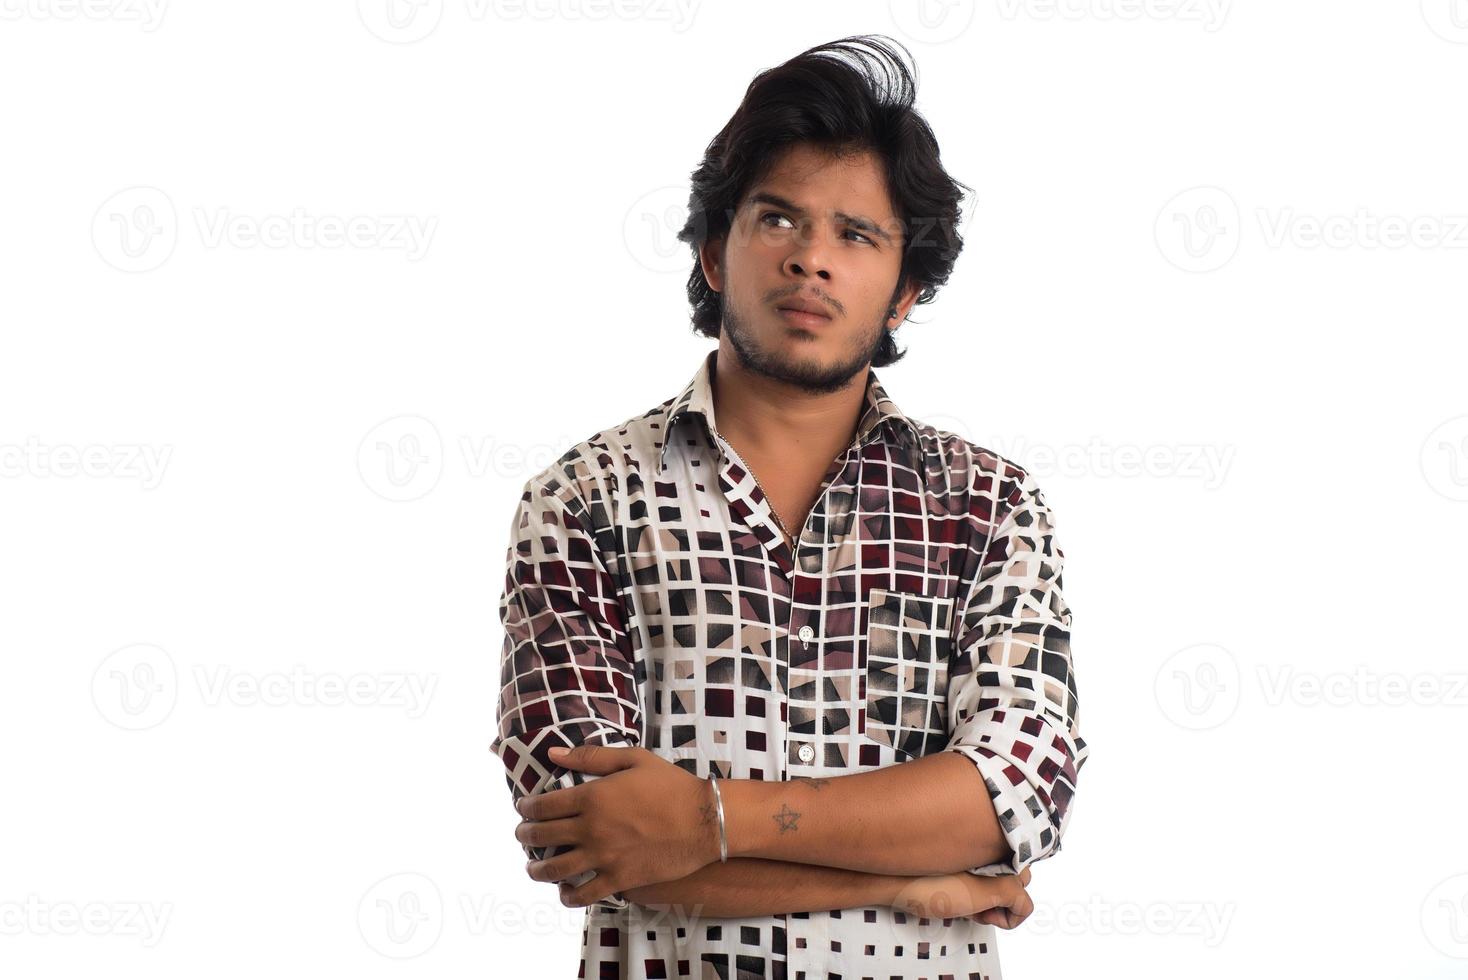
(338, 436)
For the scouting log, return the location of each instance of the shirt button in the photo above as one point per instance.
(805, 636)
(807, 752)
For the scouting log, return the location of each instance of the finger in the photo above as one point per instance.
(554, 804)
(598, 887)
(1014, 894)
(1023, 907)
(994, 917)
(600, 760)
(560, 867)
(1024, 876)
(548, 833)
(568, 896)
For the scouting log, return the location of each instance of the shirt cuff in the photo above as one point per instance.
(1021, 819)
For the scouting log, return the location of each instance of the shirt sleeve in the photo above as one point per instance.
(567, 673)
(1012, 693)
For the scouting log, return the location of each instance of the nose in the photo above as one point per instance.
(809, 256)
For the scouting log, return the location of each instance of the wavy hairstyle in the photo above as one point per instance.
(844, 97)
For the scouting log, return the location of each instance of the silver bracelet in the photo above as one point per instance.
(723, 840)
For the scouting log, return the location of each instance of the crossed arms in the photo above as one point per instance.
(996, 800)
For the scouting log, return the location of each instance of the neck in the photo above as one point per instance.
(775, 418)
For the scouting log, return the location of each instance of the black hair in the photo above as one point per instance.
(841, 107)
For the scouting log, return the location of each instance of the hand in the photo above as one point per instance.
(646, 821)
(998, 901)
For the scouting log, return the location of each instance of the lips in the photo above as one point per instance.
(801, 306)
(804, 312)
(800, 318)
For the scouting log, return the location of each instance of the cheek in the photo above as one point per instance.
(758, 261)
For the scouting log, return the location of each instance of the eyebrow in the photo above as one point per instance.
(854, 220)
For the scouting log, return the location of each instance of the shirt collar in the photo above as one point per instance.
(696, 399)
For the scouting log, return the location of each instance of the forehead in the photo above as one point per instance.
(820, 181)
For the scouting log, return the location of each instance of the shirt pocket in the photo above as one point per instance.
(909, 641)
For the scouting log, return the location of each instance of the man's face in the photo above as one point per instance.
(818, 231)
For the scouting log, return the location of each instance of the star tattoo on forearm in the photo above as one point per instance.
(786, 818)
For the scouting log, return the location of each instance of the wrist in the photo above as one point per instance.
(895, 891)
(743, 801)
(912, 894)
(715, 815)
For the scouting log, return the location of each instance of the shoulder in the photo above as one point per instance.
(599, 469)
(990, 482)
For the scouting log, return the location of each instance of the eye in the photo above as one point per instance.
(777, 214)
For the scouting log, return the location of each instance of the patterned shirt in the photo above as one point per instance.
(651, 599)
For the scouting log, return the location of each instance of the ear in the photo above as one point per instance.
(711, 258)
(904, 302)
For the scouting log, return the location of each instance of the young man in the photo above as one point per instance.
(810, 654)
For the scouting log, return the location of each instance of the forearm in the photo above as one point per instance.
(758, 886)
(929, 816)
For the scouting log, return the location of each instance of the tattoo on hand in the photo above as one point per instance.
(786, 818)
(814, 782)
